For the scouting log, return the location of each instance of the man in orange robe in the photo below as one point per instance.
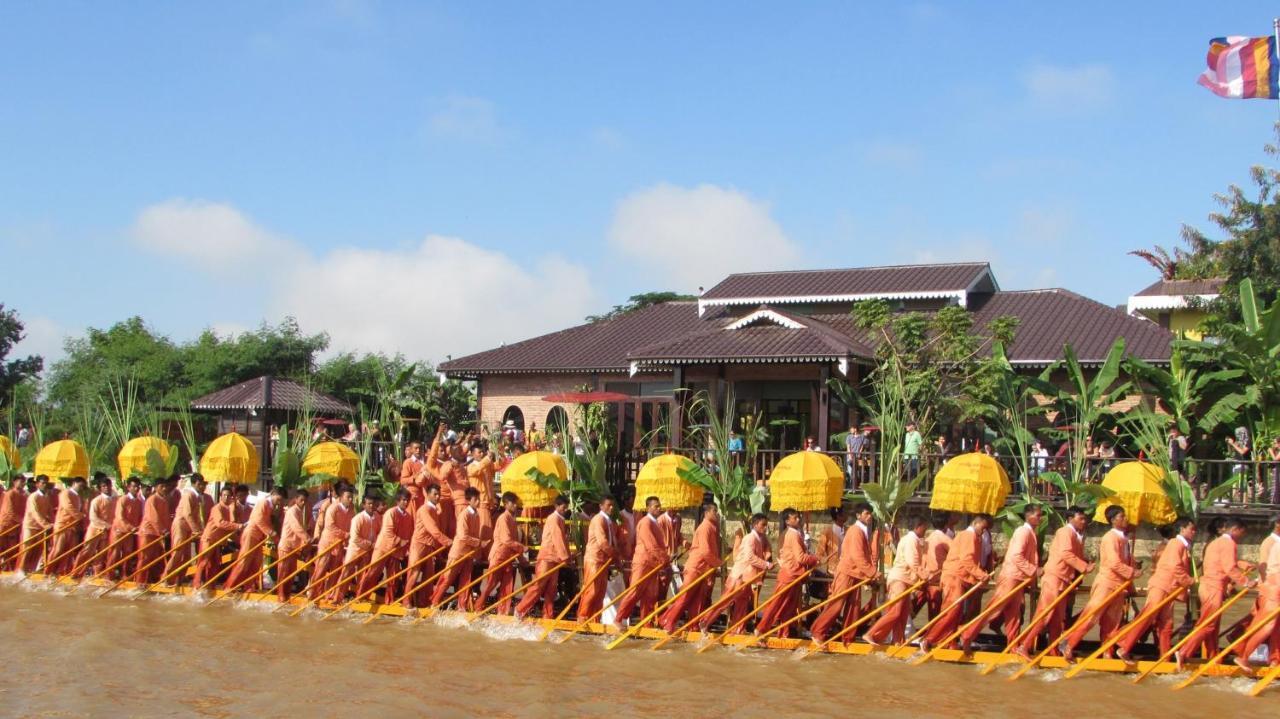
(1268, 600)
(389, 551)
(337, 530)
(749, 566)
(156, 520)
(936, 546)
(261, 526)
(101, 512)
(445, 464)
(188, 521)
(293, 535)
(360, 540)
(220, 523)
(829, 549)
(428, 537)
(960, 572)
(626, 533)
(554, 550)
(67, 522)
(128, 516)
(704, 555)
(1021, 564)
(480, 471)
(505, 545)
(12, 506)
(855, 566)
(37, 523)
(1066, 562)
(1172, 574)
(907, 570)
(1222, 572)
(243, 510)
(602, 546)
(413, 475)
(1115, 568)
(669, 524)
(466, 541)
(651, 552)
(794, 562)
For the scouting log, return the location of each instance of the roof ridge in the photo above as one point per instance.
(974, 263)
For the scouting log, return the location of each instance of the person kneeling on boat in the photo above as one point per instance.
(554, 550)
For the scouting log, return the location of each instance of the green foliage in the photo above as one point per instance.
(1085, 405)
(639, 302)
(14, 372)
(890, 410)
(728, 482)
(1077, 493)
(578, 491)
(1012, 404)
(1189, 393)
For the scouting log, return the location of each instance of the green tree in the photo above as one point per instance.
(639, 302)
(14, 372)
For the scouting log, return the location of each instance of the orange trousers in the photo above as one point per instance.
(457, 578)
(1107, 618)
(92, 547)
(1005, 609)
(892, 624)
(1162, 620)
(953, 612)
(1211, 599)
(839, 614)
(644, 594)
(592, 598)
(694, 601)
(543, 591)
(501, 582)
(782, 608)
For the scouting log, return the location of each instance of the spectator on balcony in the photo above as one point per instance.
(23, 437)
(943, 448)
(811, 445)
(1039, 459)
(1273, 454)
(911, 450)
(1106, 456)
(1177, 449)
(1240, 449)
(855, 447)
(353, 435)
(736, 446)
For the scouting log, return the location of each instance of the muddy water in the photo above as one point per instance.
(74, 656)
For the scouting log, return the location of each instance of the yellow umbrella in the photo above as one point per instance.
(515, 478)
(1138, 489)
(333, 458)
(132, 458)
(660, 477)
(973, 483)
(230, 458)
(10, 451)
(806, 481)
(64, 458)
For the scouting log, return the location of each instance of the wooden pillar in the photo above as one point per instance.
(824, 406)
(677, 407)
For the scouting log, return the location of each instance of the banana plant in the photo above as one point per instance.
(1086, 404)
(729, 483)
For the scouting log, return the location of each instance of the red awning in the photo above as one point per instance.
(587, 397)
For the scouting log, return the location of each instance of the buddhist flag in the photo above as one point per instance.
(1242, 68)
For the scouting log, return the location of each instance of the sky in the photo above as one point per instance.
(438, 179)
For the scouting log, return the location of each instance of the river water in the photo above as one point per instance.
(79, 656)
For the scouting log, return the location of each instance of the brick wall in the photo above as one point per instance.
(498, 392)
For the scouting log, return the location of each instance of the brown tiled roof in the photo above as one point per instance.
(1176, 288)
(285, 395)
(1052, 318)
(598, 346)
(916, 279)
(763, 340)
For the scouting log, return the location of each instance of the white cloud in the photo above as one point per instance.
(1082, 87)
(44, 337)
(213, 237)
(693, 237)
(465, 119)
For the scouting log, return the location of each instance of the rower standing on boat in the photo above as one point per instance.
(428, 537)
(220, 524)
(37, 520)
(1115, 568)
(704, 555)
(669, 524)
(908, 569)
(465, 542)
(960, 572)
(445, 465)
(260, 527)
(506, 544)
(554, 550)
(855, 566)
(337, 530)
(188, 521)
(293, 536)
(1066, 562)
(414, 475)
(395, 533)
(1222, 570)
(602, 547)
(651, 552)
(1172, 574)
(1268, 600)
(749, 567)
(364, 532)
(793, 562)
(1021, 563)
(67, 525)
(101, 510)
(12, 506)
(936, 547)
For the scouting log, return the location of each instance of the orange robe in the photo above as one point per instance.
(936, 547)
(672, 538)
(1066, 562)
(480, 478)
(505, 545)
(188, 521)
(465, 541)
(13, 503)
(855, 565)
(749, 566)
(101, 512)
(602, 546)
(1021, 562)
(793, 563)
(66, 529)
(452, 478)
(1268, 600)
(128, 516)
(651, 552)
(829, 546)
(1114, 569)
(337, 531)
(1221, 571)
(704, 555)
(219, 524)
(36, 520)
(293, 535)
(249, 560)
(554, 550)
(961, 570)
(156, 520)
(1172, 574)
(428, 539)
(908, 569)
(364, 533)
(413, 477)
(389, 551)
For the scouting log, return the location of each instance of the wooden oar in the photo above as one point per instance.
(428, 580)
(152, 563)
(1119, 635)
(585, 584)
(834, 598)
(899, 597)
(777, 594)
(189, 562)
(982, 616)
(373, 614)
(477, 580)
(368, 592)
(1204, 666)
(1080, 622)
(126, 558)
(321, 579)
(303, 567)
(231, 590)
(429, 611)
(23, 548)
(713, 609)
(1202, 623)
(84, 566)
(631, 631)
(16, 549)
(1040, 616)
(476, 615)
(55, 560)
(582, 625)
(1266, 679)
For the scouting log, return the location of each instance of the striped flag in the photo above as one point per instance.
(1242, 68)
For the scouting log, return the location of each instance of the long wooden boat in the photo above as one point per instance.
(952, 656)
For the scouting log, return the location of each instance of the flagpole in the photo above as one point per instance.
(1275, 28)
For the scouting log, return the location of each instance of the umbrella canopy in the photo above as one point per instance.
(660, 477)
(1138, 489)
(64, 458)
(515, 478)
(230, 458)
(333, 458)
(11, 452)
(132, 458)
(587, 397)
(806, 481)
(973, 483)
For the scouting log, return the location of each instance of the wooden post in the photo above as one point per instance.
(677, 407)
(824, 407)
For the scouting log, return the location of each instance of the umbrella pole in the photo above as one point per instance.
(976, 621)
(1203, 623)
(1080, 622)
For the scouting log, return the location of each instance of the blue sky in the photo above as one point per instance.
(438, 179)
